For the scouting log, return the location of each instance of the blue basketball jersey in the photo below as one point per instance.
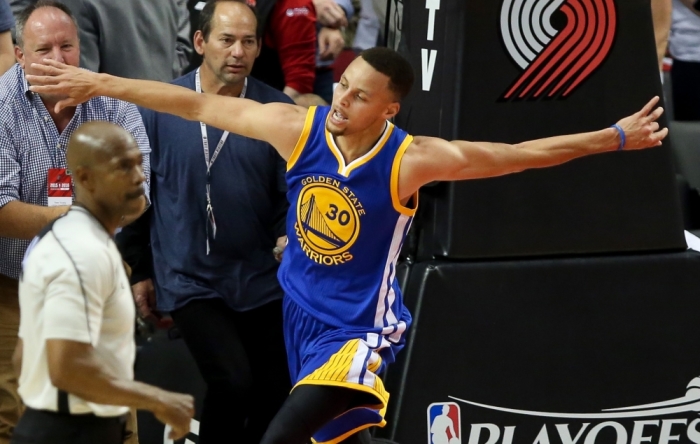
(346, 226)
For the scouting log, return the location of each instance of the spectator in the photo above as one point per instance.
(77, 323)
(18, 6)
(333, 14)
(390, 14)
(332, 17)
(684, 45)
(33, 139)
(368, 27)
(134, 38)
(288, 56)
(661, 11)
(7, 55)
(218, 211)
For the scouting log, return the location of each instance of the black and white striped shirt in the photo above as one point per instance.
(74, 287)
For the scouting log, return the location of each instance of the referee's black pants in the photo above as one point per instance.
(242, 359)
(42, 427)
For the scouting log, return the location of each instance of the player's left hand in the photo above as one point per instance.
(58, 79)
(278, 251)
(642, 129)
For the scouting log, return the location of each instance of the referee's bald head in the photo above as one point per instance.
(97, 142)
(105, 162)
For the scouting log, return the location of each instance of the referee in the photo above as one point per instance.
(76, 348)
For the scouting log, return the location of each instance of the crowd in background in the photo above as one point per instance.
(153, 40)
(302, 39)
(684, 48)
(213, 254)
(190, 259)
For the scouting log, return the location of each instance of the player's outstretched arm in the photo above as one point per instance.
(279, 124)
(431, 159)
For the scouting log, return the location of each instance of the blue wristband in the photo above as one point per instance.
(623, 139)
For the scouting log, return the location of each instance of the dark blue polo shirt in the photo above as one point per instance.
(248, 197)
(7, 21)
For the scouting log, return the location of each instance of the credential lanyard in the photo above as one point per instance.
(205, 143)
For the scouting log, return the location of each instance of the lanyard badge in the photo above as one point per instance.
(60, 187)
(211, 222)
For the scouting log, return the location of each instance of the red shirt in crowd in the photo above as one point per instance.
(291, 32)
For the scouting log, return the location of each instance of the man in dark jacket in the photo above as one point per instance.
(218, 209)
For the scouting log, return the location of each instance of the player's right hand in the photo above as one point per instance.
(175, 410)
(75, 84)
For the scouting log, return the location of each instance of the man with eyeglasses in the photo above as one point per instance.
(218, 209)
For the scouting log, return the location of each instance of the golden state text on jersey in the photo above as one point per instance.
(327, 220)
(346, 226)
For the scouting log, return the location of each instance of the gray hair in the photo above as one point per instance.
(23, 17)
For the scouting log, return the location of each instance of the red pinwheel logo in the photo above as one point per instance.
(556, 61)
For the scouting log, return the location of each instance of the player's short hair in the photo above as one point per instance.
(24, 15)
(206, 17)
(393, 65)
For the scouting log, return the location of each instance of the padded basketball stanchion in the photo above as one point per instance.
(167, 363)
(516, 70)
(569, 291)
(565, 336)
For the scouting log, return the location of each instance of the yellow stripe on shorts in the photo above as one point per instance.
(345, 367)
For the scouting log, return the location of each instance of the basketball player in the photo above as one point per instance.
(353, 179)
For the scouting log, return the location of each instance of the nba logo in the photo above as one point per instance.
(444, 425)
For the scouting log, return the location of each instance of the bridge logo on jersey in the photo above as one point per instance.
(328, 220)
(555, 59)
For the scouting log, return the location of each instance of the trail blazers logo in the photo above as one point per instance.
(556, 60)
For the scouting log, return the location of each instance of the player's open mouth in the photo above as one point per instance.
(337, 117)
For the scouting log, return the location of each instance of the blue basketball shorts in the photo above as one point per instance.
(324, 355)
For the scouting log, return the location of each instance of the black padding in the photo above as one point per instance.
(685, 138)
(403, 273)
(169, 365)
(690, 203)
(605, 203)
(567, 335)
